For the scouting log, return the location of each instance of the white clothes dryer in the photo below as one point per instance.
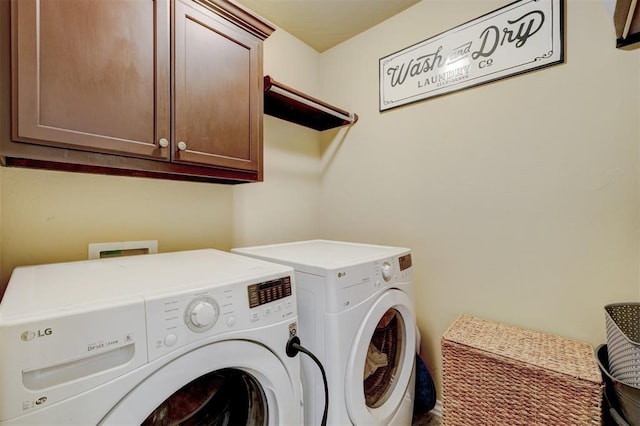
(356, 314)
(193, 337)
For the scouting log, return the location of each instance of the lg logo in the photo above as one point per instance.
(30, 335)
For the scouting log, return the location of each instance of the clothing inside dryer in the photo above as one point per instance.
(384, 356)
(223, 397)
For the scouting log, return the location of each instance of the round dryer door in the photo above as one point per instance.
(223, 383)
(381, 362)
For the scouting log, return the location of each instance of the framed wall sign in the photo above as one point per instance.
(523, 36)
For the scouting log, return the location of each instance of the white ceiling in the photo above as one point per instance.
(323, 24)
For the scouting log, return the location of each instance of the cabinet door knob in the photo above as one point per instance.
(163, 142)
(182, 146)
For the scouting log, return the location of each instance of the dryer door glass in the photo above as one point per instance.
(223, 397)
(384, 358)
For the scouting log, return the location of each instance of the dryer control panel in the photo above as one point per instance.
(351, 285)
(405, 262)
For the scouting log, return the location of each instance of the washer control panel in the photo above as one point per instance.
(181, 318)
(269, 291)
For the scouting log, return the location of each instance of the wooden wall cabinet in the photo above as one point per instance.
(163, 88)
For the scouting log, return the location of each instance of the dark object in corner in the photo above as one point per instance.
(425, 393)
(621, 401)
(291, 105)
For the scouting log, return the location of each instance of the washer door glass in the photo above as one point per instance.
(384, 356)
(235, 382)
(224, 397)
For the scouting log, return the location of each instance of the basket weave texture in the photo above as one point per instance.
(497, 374)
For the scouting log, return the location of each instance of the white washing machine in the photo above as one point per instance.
(193, 337)
(356, 315)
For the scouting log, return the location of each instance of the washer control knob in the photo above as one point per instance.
(201, 314)
(386, 271)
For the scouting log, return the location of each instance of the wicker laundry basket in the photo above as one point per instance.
(496, 374)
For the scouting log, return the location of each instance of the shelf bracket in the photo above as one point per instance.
(289, 104)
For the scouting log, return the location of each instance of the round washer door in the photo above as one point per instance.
(381, 361)
(231, 380)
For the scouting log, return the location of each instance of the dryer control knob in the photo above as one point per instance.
(386, 271)
(201, 314)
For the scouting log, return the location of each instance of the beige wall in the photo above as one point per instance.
(51, 216)
(286, 206)
(518, 198)
(48, 216)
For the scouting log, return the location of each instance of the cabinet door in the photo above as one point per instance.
(218, 91)
(92, 75)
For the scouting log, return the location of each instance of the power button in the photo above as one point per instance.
(170, 339)
(231, 321)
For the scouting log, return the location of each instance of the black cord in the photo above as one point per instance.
(293, 347)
